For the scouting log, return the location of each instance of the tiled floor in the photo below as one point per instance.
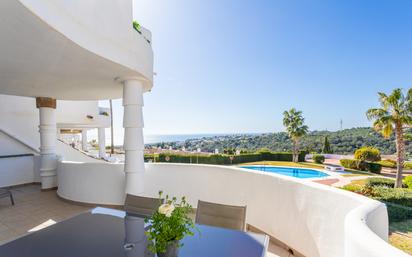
(35, 210)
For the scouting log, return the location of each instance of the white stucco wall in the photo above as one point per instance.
(73, 114)
(19, 117)
(314, 219)
(16, 171)
(10, 146)
(67, 153)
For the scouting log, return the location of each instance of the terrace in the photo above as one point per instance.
(52, 53)
(35, 210)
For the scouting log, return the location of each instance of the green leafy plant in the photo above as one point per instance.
(368, 153)
(373, 167)
(318, 158)
(408, 181)
(401, 196)
(388, 163)
(169, 224)
(353, 164)
(137, 27)
(383, 182)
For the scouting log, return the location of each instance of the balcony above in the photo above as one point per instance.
(71, 50)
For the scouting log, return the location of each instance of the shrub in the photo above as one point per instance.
(408, 181)
(401, 196)
(368, 153)
(318, 158)
(408, 165)
(380, 182)
(361, 165)
(393, 164)
(223, 158)
(353, 164)
(398, 213)
(373, 167)
(388, 163)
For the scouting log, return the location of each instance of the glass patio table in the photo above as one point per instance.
(104, 232)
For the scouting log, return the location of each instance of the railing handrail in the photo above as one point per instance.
(16, 155)
(19, 140)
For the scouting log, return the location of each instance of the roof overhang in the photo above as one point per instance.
(36, 60)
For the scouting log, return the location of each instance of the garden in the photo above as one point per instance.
(398, 202)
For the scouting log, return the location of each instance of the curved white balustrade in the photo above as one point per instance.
(314, 219)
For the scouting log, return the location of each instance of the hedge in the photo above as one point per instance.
(222, 158)
(392, 164)
(361, 165)
(398, 212)
(318, 158)
(380, 182)
(388, 163)
(374, 167)
(401, 196)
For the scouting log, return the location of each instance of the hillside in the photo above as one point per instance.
(342, 142)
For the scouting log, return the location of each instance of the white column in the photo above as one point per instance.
(84, 140)
(47, 129)
(133, 136)
(102, 142)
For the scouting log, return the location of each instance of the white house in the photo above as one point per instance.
(54, 52)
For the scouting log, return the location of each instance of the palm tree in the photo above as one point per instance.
(294, 122)
(394, 115)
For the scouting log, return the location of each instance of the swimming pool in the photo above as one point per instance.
(286, 171)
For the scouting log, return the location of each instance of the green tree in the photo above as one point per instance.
(394, 115)
(326, 146)
(294, 122)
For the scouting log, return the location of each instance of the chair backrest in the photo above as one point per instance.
(220, 215)
(141, 206)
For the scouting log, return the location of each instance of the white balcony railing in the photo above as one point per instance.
(313, 219)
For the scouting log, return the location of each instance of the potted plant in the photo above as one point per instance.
(169, 225)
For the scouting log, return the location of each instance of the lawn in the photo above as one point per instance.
(401, 235)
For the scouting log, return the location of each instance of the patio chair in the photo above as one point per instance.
(220, 215)
(141, 206)
(6, 193)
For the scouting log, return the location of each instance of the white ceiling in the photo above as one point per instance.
(36, 60)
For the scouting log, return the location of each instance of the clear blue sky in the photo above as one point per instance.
(234, 66)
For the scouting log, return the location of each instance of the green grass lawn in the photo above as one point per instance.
(401, 235)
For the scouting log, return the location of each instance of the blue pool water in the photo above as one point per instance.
(291, 172)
